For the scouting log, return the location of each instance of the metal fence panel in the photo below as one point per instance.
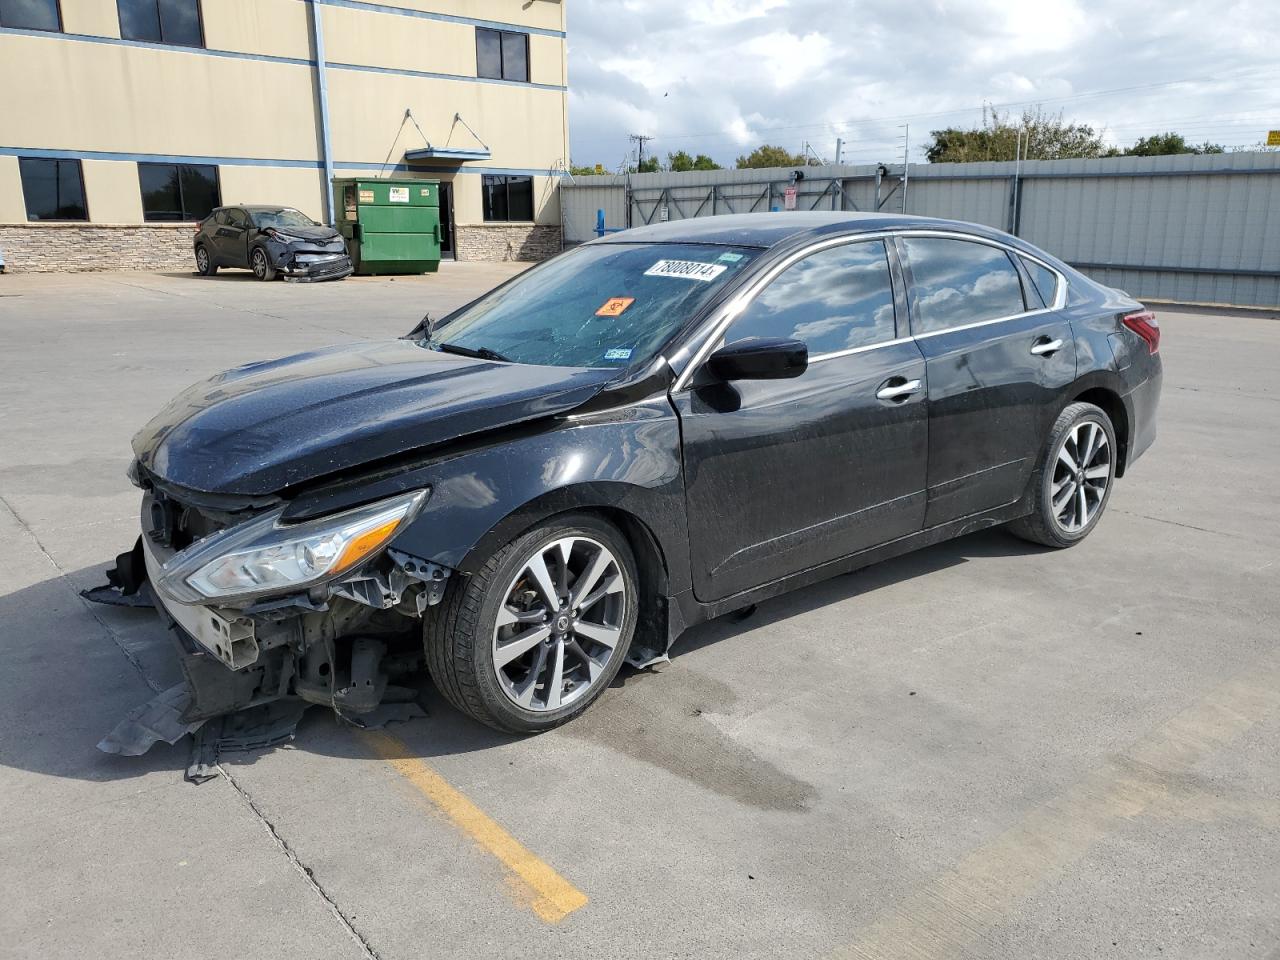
(1189, 228)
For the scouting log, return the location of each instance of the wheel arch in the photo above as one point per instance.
(1104, 395)
(647, 547)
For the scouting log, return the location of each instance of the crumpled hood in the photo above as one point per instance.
(320, 234)
(265, 426)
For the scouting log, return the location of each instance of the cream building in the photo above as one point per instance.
(123, 121)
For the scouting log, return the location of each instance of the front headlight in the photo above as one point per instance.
(265, 556)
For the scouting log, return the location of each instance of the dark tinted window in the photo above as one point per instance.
(53, 189)
(515, 57)
(600, 305)
(489, 54)
(502, 55)
(177, 191)
(835, 299)
(957, 281)
(30, 14)
(1044, 281)
(507, 198)
(161, 21)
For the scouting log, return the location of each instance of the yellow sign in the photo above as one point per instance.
(1273, 138)
(614, 306)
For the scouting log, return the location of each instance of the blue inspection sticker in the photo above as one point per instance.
(729, 257)
(617, 353)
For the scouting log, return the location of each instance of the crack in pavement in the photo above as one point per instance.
(1176, 523)
(299, 867)
(88, 606)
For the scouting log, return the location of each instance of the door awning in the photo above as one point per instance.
(450, 154)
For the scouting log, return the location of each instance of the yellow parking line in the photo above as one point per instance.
(547, 893)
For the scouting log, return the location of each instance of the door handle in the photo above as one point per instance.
(1046, 348)
(897, 391)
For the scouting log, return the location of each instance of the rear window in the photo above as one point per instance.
(601, 305)
(957, 282)
(1044, 281)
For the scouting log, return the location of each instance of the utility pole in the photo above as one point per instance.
(906, 166)
(839, 148)
(641, 139)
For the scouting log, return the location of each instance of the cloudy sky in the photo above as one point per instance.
(722, 76)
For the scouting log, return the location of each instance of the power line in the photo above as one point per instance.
(641, 139)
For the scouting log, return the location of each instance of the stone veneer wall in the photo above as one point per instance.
(75, 247)
(506, 241)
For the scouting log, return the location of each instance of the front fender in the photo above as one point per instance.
(625, 460)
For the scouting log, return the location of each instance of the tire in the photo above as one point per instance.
(204, 263)
(1058, 522)
(490, 672)
(261, 264)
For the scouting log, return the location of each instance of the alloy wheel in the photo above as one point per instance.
(559, 624)
(202, 260)
(1081, 474)
(259, 264)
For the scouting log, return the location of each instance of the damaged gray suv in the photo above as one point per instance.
(645, 432)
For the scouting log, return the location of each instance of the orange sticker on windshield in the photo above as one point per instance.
(614, 306)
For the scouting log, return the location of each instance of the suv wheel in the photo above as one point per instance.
(1072, 482)
(204, 263)
(261, 264)
(532, 638)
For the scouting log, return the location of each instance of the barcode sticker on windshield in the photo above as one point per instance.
(686, 269)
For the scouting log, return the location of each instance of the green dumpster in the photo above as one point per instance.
(391, 226)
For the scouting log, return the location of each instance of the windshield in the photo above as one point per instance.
(282, 218)
(601, 305)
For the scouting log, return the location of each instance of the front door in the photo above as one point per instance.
(998, 362)
(784, 475)
(231, 238)
(446, 221)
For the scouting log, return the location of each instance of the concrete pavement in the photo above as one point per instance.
(982, 749)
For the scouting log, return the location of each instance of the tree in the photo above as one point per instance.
(577, 171)
(1045, 136)
(648, 165)
(1164, 144)
(680, 161)
(766, 155)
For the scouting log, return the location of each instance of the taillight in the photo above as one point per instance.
(1145, 325)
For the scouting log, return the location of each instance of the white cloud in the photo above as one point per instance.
(721, 76)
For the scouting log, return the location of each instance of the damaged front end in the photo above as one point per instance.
(324, 611)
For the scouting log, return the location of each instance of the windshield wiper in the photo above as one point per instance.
(482, 353)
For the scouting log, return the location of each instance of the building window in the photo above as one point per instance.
(502, 55)
(508, 198)
(178, 191)
(53, 189)
(31, 14)
(161, 21)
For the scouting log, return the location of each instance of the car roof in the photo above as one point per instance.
(770, 229)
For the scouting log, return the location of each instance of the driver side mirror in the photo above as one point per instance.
(760, 358)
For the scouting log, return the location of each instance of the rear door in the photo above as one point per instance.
(998, 361)
(783, 475)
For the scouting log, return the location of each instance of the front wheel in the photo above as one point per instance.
(1072, 481)
(533, 637)
(261, 264)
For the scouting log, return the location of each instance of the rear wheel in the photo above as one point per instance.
(261, 264)
(204, 263)
(1073, 479)
(533, 637)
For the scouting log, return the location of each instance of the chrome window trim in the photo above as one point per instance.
(717, 325)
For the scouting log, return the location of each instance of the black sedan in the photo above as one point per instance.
(271, 241)
(650, 430)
